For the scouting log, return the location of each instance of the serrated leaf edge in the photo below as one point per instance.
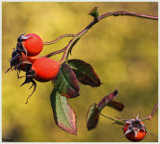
(85, 73)
(68, 82)
(74, 130)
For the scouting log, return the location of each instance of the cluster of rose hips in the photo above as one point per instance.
(43, 69)
(26, 58)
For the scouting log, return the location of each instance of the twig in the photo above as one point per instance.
(126, 13)
(107, 117)
(116, 121)
(54, 53)
(117, 13)
(57, 39)
(149, 117)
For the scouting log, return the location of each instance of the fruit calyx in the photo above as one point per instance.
(22, 37)
(134, 129)
(42, 70)
(135, 125)
(19, 47)
(30, 75)
(19, 59)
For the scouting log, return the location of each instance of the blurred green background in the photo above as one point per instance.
(123, 51)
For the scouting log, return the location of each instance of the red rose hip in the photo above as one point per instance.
(45, 69)
(134, 130)
(33, 44)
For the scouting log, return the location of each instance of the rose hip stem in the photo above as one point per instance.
(59, 38)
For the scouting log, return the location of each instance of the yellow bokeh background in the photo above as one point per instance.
(123, 51)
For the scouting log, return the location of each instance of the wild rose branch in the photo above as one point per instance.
(66, 75)
(94, 12)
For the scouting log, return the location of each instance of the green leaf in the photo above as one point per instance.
(107, 99)
(92, 117)
(116, 105)
(63, 114)
(84, 72)
(94, 12)
(66, 82)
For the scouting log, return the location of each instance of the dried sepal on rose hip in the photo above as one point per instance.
(23, 58)
(134, 129)
(42, 70)
(18, 61)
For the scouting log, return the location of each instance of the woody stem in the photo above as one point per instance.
(117, 13)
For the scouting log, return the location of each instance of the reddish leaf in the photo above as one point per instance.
(92, 116)
(63, 114)
(84, 72)
(107, 99)
(66, 82)
(117, 105)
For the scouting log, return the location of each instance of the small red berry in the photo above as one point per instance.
(134, 130)
(33, 44)
(45, 69)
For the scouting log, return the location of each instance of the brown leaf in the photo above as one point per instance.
(116, 105)
(107, 99)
